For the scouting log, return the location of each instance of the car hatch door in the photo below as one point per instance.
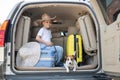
(110, 42)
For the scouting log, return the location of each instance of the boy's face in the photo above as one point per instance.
(47, 24)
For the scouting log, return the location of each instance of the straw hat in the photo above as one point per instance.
(44, 17)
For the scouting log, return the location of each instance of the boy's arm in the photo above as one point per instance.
(40, 40)
(44, 42)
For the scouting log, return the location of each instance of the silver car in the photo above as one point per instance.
(97, 21)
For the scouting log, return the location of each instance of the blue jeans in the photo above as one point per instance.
(58, 52)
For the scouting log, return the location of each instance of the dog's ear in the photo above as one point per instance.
(65, 58)
(73, 56)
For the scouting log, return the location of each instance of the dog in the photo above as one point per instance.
(70, 63)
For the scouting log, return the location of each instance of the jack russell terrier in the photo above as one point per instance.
(70, 63)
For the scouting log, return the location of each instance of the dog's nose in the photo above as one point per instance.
(70, 63)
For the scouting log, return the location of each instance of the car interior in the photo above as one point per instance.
(70, 19)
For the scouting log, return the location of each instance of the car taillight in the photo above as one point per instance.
(2, 32)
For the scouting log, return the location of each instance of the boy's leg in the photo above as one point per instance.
(51, 48)
(59, 53)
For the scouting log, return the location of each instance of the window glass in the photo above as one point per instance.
(105, 3)
(110, 9)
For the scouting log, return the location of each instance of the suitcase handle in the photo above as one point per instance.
(77, 47)
(75, 42)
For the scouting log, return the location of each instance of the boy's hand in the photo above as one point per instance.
(49, 44)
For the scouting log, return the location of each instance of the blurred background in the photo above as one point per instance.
(5, 7)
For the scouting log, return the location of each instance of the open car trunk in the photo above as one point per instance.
(77, 16)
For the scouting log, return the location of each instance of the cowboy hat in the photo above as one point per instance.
(45, 17)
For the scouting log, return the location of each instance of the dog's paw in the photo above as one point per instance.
(74, 70)
(67, 71)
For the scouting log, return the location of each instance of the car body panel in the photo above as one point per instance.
(1, 55)
(110, 39)
(57, 77)
(106, 37)
(10, 70)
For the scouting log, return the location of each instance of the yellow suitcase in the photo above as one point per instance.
(74, 44)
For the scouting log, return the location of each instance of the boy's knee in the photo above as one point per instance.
(60, 48)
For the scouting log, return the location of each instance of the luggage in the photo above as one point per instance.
(74, 46)
(22, 35)
(47, 59)
(87, 31)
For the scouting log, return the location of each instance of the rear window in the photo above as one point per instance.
(110, 9)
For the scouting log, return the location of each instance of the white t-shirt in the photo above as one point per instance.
(45, 35)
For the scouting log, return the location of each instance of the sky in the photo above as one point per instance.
(5, 7)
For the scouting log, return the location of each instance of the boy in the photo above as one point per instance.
(44, 37)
